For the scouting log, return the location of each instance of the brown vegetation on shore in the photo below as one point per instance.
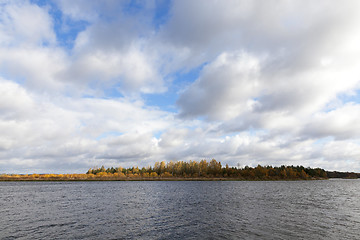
(192, 170)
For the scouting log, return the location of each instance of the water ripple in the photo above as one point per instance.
(180, 210)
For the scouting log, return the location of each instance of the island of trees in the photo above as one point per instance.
(343, 175)
(181, 170)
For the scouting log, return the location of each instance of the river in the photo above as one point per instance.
(324, 209)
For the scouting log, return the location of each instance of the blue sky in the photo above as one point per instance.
(123, 83)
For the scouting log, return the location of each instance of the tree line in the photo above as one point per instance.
(210, 169)
(182, 170)
(345, 175)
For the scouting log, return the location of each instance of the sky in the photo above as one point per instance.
(128, 83)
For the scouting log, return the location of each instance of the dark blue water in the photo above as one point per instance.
(180, 210)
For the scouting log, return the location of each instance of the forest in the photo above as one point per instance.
(182, 170)
(343, 175)
(213, 169)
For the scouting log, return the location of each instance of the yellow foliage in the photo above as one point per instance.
(153, 174)
(102, 174)
(90, 175)
(119, 174)
(145, 174)
(166, 174)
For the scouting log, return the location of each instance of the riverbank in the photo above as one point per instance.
(181, 171)
(29, 178)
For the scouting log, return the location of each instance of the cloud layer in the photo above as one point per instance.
(86, 84)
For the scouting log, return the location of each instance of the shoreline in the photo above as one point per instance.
(152, 179)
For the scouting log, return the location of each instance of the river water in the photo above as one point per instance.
(328, 209)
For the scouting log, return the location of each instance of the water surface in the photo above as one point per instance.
(327, 209)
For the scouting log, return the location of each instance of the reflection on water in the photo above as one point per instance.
(180, 210)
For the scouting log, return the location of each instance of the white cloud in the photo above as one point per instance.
(37, 129)
(223, 89)
(105, 54)
(25, 24)
(114, 50)
(271, 89)
(36, 67)
(132, 69)
(290, 82)
(28, 51)
(341, 123)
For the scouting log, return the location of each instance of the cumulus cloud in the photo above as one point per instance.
(131, 69)
(278, 83)
(113, 50)
(61, 129)
(301, 68)
(341, 123)
(107, 53)
(28, 51)
(25, 24)
(224, 89)
(293, 30)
